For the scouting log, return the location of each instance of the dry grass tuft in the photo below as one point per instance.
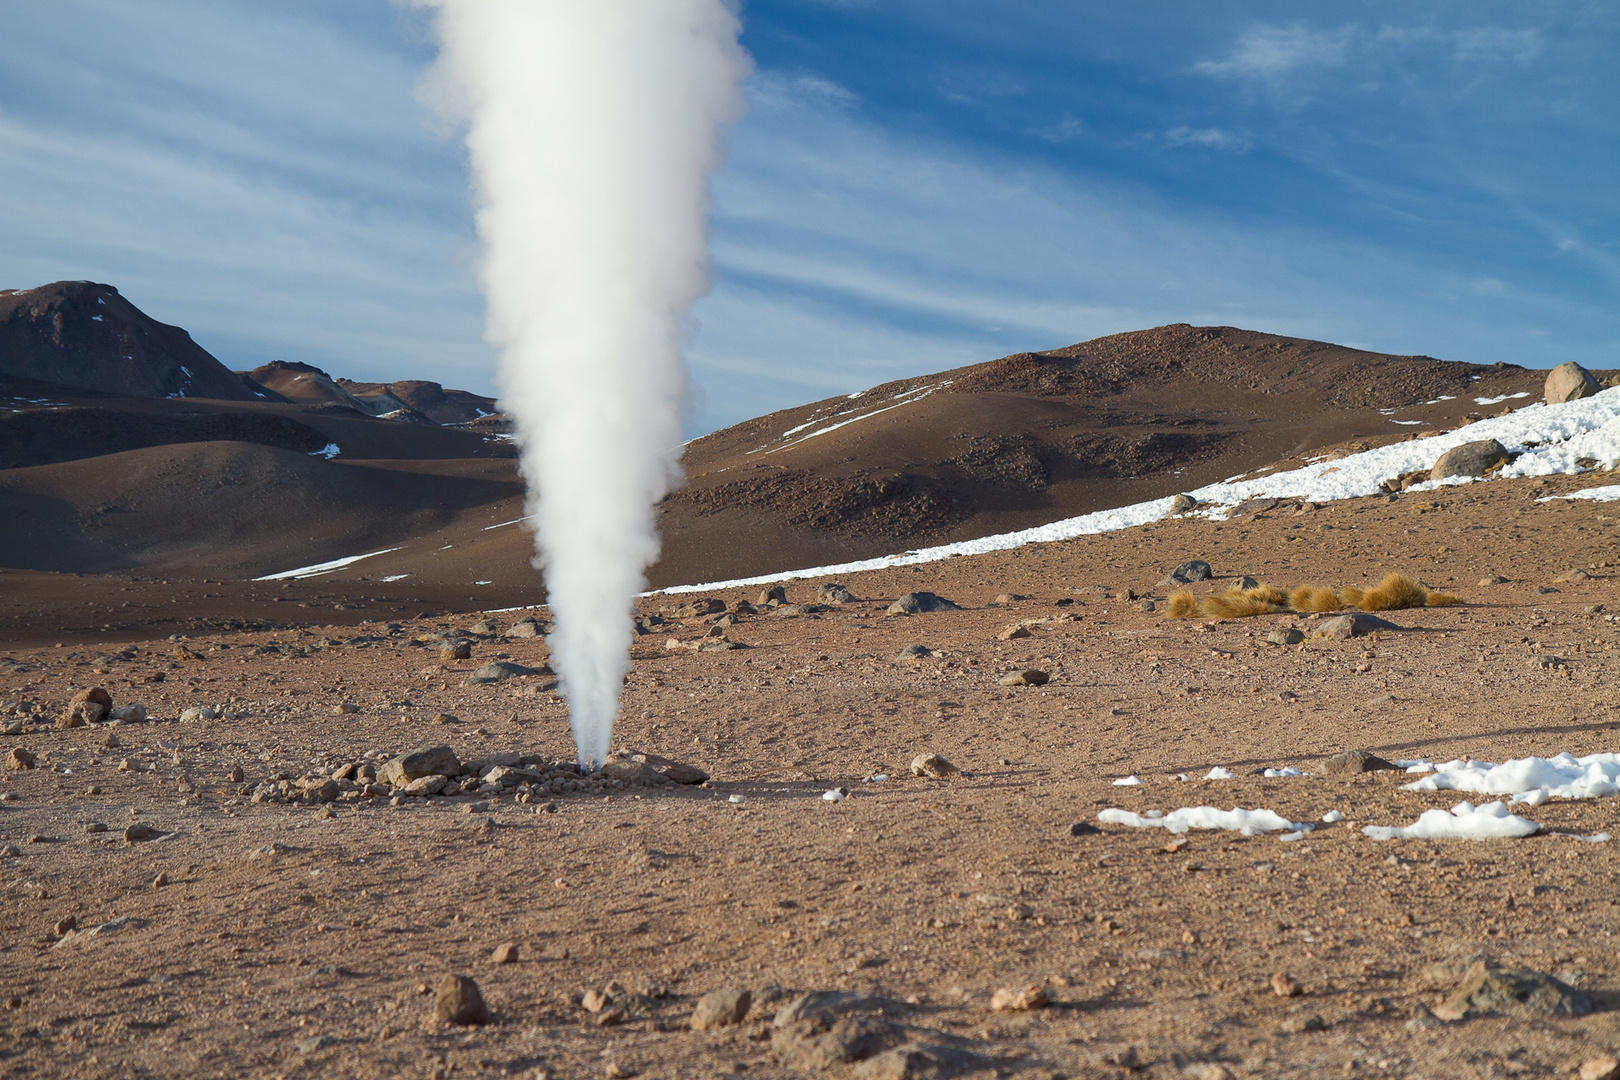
(1350, 596)
(1183, 605)
(1395, 592)
(1268, 593)
(1309, 598)
(1240, 603)
(1442, 599)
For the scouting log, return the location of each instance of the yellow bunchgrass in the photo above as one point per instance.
(1394, 592)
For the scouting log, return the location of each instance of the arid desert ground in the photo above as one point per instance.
(235, 896)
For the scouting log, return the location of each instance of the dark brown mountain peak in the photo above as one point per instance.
(84, 334)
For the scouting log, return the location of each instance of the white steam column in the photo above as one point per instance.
(592, 127)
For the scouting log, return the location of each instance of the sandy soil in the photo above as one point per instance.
(293, 940)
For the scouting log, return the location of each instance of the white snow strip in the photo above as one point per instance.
(329, 451)
(1565, 776)
(1549, 439)
(396, 577)
(1128, 781)
(1499, 398)
(1465, 821)
(1218, 773)
(1247, 822)
(910, 397)
(504, 524)
(1286, 770)
(317, 569)
(1607, 493)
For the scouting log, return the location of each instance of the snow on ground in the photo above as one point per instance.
(329, 451)
(1549, 439)
(1465, 821)
(905, 397)
(1218, 773)
(1286, 770)
(1532, 780)
(1608, 493)
(317, 569)
(1247, 822)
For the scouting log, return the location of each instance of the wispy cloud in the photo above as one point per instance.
(1212, 138)
(1266, 52)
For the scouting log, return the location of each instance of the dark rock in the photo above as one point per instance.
(775, 592)
(525, 628)
(1512, 992)
(919, 1061)
(1084, 828)
(1354, 762)
(1182, 503)
(137, 833)
(933, 766)
(423, 761)
(1188, 572)
(1469, 459)
(460, 1002)
(505, 953)
(618, 767)
(693, 609)
(499, 671)
(921, 603)
(456, 650)
(834, 593)
(913, 652)
(1354, 625)
(1568, 382)
(20, 759)
(675, 771)
(1286, 635)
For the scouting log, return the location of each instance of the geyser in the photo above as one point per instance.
(592, 127)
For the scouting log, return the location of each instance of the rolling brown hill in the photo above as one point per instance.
(145, 486)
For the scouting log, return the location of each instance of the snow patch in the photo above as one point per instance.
(1247, 822)
(1286, 770)
(1607, 493)
(396, 577)
(317, 569)
(1499, 398)
(1218, 773)
(1465, 821)
(1128, 781)
(1565, 776)
(329, 451)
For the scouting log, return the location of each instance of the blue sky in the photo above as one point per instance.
(917, 185)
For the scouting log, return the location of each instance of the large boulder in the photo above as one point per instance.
(87, 707)
(1469, 459)
(423, 761)
(1354, 625)
(1570, 381)
(1188, 572)
(921, 603)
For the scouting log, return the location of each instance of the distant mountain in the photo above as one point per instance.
(427, 398)
(84, 334)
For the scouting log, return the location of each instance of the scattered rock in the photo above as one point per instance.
(1286, 635)
(1084, 828)
(721, 1008)
(1572, 576)
(1494, 579)
(525, 628)
(86, 707)
(444, 719)
(65, 925)
(460, 1002)
(456, 650)
(1469, 459)
(1283, 985)
(721, 625)
(484, 627)
(628, 771)
(499, 671)
(505, 953)
(1298, 1025)
(20, 759)
(133, 713)
(1003, 599)
(161, 880)
(1027, 677)
(693, 609)
(834, 593)
(1569, 382)
(1129, 1059)
(1354, 625)
(137, 833)
(1354, 762)
(1147, 605)
(918, 1061)
(933, 766)
(775, 592)
(676, 771)
(921, 603)
(1182, 503)
(1013, 632)
(913, 652)
(1188, 572)
(423, 761)
(423, 785)
(1024, 999)
(1247, 582)
(1512, 992)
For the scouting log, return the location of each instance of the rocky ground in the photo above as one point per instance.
(241, 892)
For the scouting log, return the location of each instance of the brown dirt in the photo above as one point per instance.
(308, 961)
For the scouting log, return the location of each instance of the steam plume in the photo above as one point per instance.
(592, 127)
